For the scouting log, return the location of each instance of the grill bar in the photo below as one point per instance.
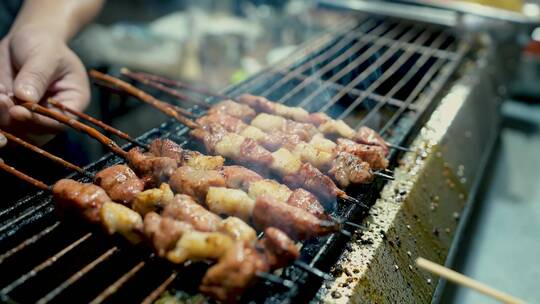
(47, 263)
(118, 283)
(28, 242)
(388, 73)
(160, 289)
(79, 274)
(372, 50)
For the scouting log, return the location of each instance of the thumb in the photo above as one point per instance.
(34, 78)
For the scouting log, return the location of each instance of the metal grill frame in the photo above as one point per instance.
(31, 220)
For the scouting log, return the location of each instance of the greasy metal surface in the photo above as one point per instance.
(421, 212)
(382, 73)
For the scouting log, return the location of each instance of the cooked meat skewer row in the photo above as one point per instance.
(328, 125)
(244, 150)
(344, 167)
(279, 126)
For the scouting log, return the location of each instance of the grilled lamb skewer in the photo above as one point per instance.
(277, 125)
(242, 149)
(344, 167)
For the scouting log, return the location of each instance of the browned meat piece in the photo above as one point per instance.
(184, 208)
(234, 109)
(313, 180)
(210, 135)
(80, 198)
(230, 123)
(163, 232)
(278, 139)
(318, 118)
(238, 177)
(167, 148)
(253, 153)
(234, 273)
(374, 155)
(120, 183)
(368, 136)
(348, 169)
(258, 103)
(279, 249)
(304, 130)
(295, 222)
(304, 200)
(195, 182)
(153, 170)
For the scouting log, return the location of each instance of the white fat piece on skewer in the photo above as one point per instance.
(117, 218)
(195, 245)
(232, 202)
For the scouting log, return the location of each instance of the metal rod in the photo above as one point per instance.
(96, 122)
(118, 283)
(357, 226)
(34, 107)
(315, 271)
(45, 264)
(48, 155)
(383, 175)
(275, 279)
(385, 75)
(37, 183)
(146, 80)
(160, 289)
(400, 84)
(145, 97)
(368, 53)
(28, 241)
(76, 276)
(321, 58)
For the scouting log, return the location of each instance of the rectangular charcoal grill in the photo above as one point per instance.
(383, 73)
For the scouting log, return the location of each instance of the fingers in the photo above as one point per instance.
(35, 76)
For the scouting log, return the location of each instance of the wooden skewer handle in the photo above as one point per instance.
(34, 107)
(39, 184)
(143, 96)
(36, 149)
(463, 280)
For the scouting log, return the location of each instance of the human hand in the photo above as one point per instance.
(36, 65)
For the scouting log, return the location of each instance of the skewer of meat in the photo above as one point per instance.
(325, 123)
(243, 150)
(342, 165)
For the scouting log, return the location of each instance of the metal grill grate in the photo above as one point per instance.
(375, 72)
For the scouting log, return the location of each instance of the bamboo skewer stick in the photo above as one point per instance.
(37, 183)
(159, 86)
(48, 155)
(463, 280)
(96, 122)
(34, 107)
(147, 98)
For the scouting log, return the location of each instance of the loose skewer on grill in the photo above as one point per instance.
(364, 135)
(248, 152)
(17, 140)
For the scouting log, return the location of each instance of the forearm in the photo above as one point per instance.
(62, 18)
